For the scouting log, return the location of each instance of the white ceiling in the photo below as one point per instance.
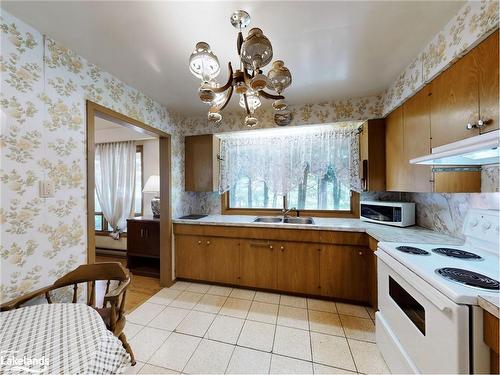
(333, 49)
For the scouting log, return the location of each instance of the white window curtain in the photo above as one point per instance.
(281, 159)
(115, 183)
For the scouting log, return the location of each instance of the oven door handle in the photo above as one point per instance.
(437, 300)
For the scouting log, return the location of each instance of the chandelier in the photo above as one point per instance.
(249, 81)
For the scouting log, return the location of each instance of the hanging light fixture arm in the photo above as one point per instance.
(270, 96)
(229, 95)
(229, 82)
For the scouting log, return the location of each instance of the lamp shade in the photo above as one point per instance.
(152, 184)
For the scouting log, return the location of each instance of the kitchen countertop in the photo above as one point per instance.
(380, 232)
(490, 304)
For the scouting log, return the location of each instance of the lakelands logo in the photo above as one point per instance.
(10, 360)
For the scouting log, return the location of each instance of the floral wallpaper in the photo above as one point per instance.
(43, 137)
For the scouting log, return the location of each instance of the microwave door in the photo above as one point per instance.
(373, 214)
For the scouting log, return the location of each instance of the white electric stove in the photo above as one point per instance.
(428, 319)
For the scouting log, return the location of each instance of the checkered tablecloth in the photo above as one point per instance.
(65, 338)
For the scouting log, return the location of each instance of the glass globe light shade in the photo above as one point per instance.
(214, 115)
(256, 50)
(251, 121)
(280, 104)
(253, 101)
(203, 63)
(279, 76)
(259, 82)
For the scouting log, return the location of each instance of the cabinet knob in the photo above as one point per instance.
(482, 123)
(208, 242)
(199, 242)
(471, 126)
(271, 247)
(360, 253)
(282, 248)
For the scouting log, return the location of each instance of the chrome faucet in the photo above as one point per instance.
(287, 210)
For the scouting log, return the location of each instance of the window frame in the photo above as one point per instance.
(138, 149)
(352, 213)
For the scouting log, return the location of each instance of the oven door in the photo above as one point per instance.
(418, 328)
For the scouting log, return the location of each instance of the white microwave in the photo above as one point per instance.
(400, 214)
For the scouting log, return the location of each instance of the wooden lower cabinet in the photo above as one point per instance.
(344, 272)
(258, 264)
(309, 268)
(298, 267)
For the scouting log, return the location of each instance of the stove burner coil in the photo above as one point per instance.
(456, 253)
(468, 278)
(412, 250)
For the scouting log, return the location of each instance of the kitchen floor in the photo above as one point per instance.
(197, 328)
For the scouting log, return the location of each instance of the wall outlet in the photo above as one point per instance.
(46, 189)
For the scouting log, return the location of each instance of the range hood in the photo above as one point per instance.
(478, 150)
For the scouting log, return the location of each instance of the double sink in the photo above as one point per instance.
(285, 220)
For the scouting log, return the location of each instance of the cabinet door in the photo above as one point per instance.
(486, 55)
(258, 264)
(223, 260)
(345, 272)
(455, 102)
(417, 141)
(394, 152)
(191, 257)
(298, 267)
(151, 238)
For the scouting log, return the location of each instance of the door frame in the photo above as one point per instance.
(93, 110)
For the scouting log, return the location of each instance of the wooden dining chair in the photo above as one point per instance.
(112, 310)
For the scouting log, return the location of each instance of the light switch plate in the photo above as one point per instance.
(46, 189)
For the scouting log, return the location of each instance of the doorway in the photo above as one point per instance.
(96, 112)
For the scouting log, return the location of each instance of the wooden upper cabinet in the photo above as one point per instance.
(298, 267)
(395, 165)
(455, 102)
(372, 155)
(201, 163)
(417, 140)
(486, 58)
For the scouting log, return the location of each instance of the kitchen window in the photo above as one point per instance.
(308, 168)
(101, 225)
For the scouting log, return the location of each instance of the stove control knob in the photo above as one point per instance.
(474, 222)
(486, 225)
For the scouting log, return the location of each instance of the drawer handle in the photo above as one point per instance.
(259, 244)
(142, 233)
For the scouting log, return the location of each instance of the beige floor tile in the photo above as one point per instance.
(217, 290)
(236, 307)
(243, 294)
(358, 328)
(331, 351)
(263, 312)
(134, 369)
(225, 328)
(320, 305)
(325, 322)
(286, 365)
(169, 318)
(165, 296)
(210, 303)
(257, 335)
(368, 358)
(198, 288)
(293, 301)
(371, 312)
(150, 369)
(175, 351)
(292, 342)
(131, 329)
(353, 310)
(186, 300)
(180, 285)
(145, 313)
(147, 341)
(293, 317)
(322, 369)
(211, 357)
(196, 323)
(267, 297)
(249, 361)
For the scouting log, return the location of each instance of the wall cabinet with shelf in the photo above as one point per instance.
(372, 155)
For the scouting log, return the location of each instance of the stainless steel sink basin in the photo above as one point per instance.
(268, 220)
(298, 220)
